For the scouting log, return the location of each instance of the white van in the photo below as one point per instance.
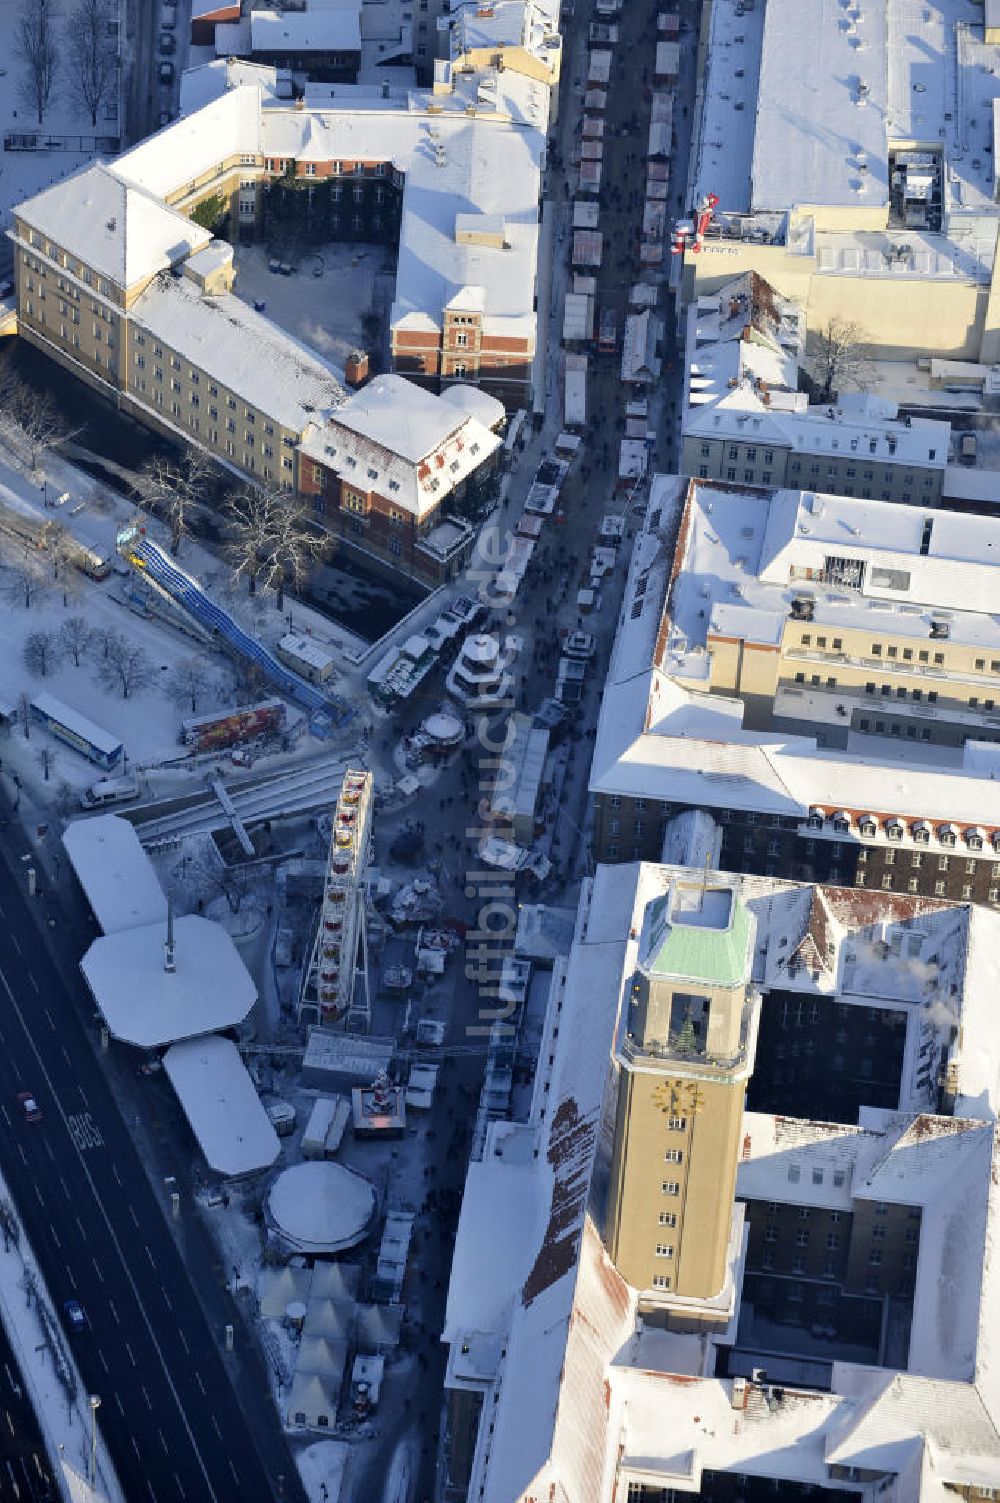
(110, 791)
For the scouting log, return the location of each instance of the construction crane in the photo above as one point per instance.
(689, 234)
(329, 993)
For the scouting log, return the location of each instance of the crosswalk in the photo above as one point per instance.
(85, 1134)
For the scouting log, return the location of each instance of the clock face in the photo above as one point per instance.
(678, 1097)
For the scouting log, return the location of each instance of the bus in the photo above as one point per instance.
(76, 730)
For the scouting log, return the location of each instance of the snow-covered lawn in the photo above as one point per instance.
(23, 173)
(323, 302)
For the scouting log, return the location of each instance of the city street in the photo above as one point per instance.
(169, 1414)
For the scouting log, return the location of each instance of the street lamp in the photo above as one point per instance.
(95, 1404)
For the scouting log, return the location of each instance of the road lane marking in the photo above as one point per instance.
(131, 1354)
(114, 1171)
(24, 1157)
(49, 1150)
(79, 1223)
(65, 1188)
(97, 1269)
(114, 1312)
(16, 942)
(135, 1218)
(197, 1379)
(103, 1359)
(180, 1486)
(119, 1403)
(215, 1423)
(149, 1255)
(52, 1023)
(54, 1236)
(166, 1297)
(149, 1402)
(6, 1115)
(86, 1134)
(31, 978)
(184, 1342)
(232, 1468)
(65, 1055)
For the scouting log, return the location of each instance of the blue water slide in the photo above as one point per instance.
(187, 592)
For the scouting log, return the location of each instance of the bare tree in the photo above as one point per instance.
(41, 652)
(46, 757)
(41, 424)
(125, 665)
(838, 359)
(273, 541)
(24, 714)
(172, 490)
(189, 685)
(234, 883)
(92, 59)
(25, 582)
(76, 639)
(35, 43)
(65, 801)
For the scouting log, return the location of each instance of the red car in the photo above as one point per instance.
(29, 1106)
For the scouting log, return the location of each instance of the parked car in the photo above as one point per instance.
(168, 43)
(29, 1106)
(166, 73)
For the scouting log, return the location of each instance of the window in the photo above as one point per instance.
(660, 1280)
(664, 1249)
(875, 1257)
(677, 1124)
(770, 1234)
(670, 1187)
(802, 1237)
(833, 1241)
(674, 1156)
(668, 1218)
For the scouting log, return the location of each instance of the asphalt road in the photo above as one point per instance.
(169, 1414)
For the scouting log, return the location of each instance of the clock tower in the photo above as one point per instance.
(684, 1055)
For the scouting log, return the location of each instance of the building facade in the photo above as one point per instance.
(683, 1062)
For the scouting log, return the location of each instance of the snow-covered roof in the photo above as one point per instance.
(476, 403)
(144, 1004)
(320, 1207)
(658, 738)
(166, 163)
(750, 413)
(209, 81)
(333, 28)
(581, 1398)
(115, 873)
(221, 1104)
(744, 333)
(404, 442)
(121, 232)
(809, 128)
(895, 71)
(243, 350)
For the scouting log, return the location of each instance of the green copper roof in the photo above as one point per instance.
(698, 950)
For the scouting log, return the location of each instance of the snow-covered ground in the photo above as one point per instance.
(66, 1427)
(23, 173)
(324, 301)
